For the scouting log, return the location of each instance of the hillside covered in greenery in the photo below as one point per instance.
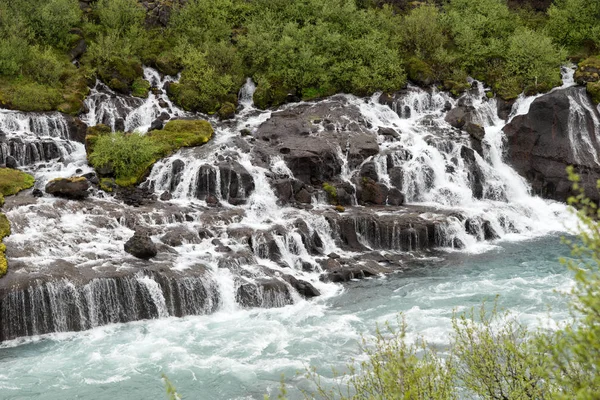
(52, 50)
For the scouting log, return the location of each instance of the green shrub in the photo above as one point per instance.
(574, 23)
(140, 88)
(128, 155)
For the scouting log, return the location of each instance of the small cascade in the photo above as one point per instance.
(128, 114)
(583, 136)
(34, 138)
(62, 306)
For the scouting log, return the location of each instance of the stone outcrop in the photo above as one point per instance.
(559, 130)
(75, 188)
(141, 246)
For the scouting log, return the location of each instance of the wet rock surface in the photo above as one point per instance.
(560, 129)
(141, 246)
(70, 188)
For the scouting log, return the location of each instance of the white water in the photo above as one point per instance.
(238, 352)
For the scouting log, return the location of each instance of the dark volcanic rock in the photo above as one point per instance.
(180, 235)
(141, 246)
(70, 188)
(553, 135)
(11, 162)
(310, 152)
(306, 290)
(459, 116)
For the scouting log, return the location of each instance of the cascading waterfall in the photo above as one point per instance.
(228, 239)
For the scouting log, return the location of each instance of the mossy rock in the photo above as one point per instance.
(331, 192)
(227, 111)
(181, 133)
(149, 148)
(108, 184)
(588, 70)
(93, 132)
(119, 74)
(140, 88)
(167, 64)
(12, 181)
(269, 94)
(4, 232)
(456, 87)
(420, 72)
(593, 88)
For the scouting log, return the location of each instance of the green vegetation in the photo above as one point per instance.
(331, 192)
(301, 49)
(12, 182)
(35, 70)
(4, 232)
(128, 157)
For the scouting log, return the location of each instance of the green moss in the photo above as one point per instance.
(140, 88)
(4, 232)
(107, 184)
(489, 95)
(119, 74)
(130, 156)
(593, 88)
(4, 226)
(12, 181)
(588, 70)
(3, 261)
(340, 209)
(227, 111)
(313, 93)
(25, 95)
(92, 135)
(181, 133)
(419, 71)
(331, 192)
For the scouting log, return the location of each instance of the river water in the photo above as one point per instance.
(243, 354)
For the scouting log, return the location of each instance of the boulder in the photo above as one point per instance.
(551, 136)
(476, 131)
(75, 188)
(459, 116)
(308, 137)
(179, 235)
(140, 245)
(306, 289)
(11, 162)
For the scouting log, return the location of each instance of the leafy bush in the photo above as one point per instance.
(574, 23)
(128, 155)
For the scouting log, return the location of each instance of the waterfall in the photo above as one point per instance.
(245, 220)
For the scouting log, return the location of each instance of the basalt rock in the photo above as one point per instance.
(71, 188)
(140, 245)
(559, 130)
(309, 138)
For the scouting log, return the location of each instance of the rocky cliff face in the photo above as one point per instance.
(561, 128)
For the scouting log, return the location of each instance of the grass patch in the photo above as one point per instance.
(129, 157)
(4, 232)
(12, 181)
